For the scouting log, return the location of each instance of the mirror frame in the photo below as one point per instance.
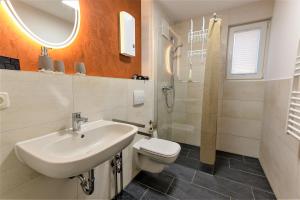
(15, 17)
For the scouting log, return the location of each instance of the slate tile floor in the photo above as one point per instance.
(236, 177)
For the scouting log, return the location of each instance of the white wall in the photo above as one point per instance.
(43, 103)
(279, 152)
(285, 34)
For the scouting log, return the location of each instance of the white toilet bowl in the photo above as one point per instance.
(154, 154)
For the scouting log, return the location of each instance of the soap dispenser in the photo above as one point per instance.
(45, 62)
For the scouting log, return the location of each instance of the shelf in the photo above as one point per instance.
(198, 36)
(196, 52)
(188, 100)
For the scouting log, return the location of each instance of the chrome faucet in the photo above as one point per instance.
(77, 120)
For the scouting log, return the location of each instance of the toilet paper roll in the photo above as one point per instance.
(80, 68)
(46, 63)
(59, 66)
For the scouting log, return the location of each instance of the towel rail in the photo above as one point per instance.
(297, 74)
(293, 119)
(295, 98)
(295, 110)
(295, 104)
(294, 122)
(294, 129)
(293, 134)
(294, 116)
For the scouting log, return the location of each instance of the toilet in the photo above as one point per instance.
(154, 154)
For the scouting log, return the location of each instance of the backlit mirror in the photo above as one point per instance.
(51, 23)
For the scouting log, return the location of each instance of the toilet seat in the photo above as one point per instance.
(159, 147)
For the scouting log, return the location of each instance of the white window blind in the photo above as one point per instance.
(246, 49)
(245, 52)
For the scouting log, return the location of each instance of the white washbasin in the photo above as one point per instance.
(66, 153)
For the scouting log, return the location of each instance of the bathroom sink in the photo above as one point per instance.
(64, 154)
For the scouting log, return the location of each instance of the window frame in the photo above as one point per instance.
(263, 26)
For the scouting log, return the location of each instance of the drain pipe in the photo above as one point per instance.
(117, 166)
(87, 185)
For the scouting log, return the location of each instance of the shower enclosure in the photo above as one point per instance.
(189, 59)
(180, 78)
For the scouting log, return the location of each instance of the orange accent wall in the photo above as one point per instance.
(97, 44)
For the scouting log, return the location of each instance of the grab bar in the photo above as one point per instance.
(131, 123)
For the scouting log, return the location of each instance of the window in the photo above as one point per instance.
(246, 50)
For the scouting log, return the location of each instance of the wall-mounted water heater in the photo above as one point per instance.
(127, 34)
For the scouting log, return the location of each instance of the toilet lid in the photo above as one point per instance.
(161, 147)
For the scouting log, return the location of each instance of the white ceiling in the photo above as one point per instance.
(179, 10)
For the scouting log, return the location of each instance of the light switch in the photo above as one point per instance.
(138, 97)
(4, 100)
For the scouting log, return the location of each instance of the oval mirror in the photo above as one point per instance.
(51, 23)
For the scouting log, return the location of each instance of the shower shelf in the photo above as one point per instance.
(188, 100)
(196, 52)
(198, 36)
(189, 81)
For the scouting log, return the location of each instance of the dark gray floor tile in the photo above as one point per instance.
(244, 178)
(246, 166)
(188, 162)
(188, 146)
(223, 186)
(195, 154)
(154, 195)
(126, 196)
(251, 160)
(180, 172)
(135, 189)
(221, 162)
(206, 168)
(184, 190)
(160, 182)
(229, 155)
(261, 195)
(184, 152)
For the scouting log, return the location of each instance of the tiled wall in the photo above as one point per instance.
(164, 118)
(240, 120)
(279, 153)
(43, 103)
(186, 118)
(234, 96)
(241, 102)
(161, 75)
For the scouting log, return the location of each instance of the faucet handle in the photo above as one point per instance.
(76, 115)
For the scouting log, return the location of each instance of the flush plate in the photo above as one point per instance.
(4, 100)
(138, 97)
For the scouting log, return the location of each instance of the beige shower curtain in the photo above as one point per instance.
(210, 94)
